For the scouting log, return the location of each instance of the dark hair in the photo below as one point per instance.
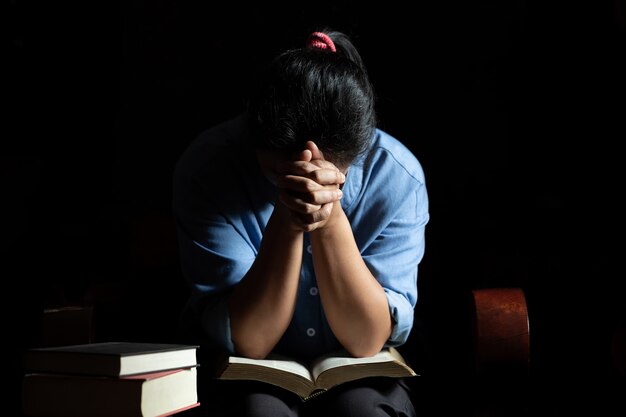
(315, 94)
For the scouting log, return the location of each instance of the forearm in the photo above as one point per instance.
(355, 304)
(262, 304)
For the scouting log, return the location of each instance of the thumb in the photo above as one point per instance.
(315, 151)
(305, 155)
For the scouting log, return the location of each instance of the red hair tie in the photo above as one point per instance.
(320, 40)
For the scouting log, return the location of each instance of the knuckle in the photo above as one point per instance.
(310, 186)
(316, 176)
(311, 208)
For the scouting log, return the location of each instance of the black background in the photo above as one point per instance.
(514, 108)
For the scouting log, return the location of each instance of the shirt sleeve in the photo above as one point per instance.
(213, 265)
(214, 257)
(393, 258)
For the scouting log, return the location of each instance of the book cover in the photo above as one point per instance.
(312, 379)
(147, 395)
(110, 358)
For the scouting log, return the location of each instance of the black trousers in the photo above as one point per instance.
(364, 398)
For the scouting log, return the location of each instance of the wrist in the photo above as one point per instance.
(284, 220)
(334, 221)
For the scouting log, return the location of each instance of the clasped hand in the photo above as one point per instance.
(310, 188)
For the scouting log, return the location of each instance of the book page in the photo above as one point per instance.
(343, 358)
(276, 362)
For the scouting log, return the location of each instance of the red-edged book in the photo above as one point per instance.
(155, 394)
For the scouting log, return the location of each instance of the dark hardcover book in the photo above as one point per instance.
(110, 358)
(146, 395)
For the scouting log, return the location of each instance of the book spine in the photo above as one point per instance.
(314, 394)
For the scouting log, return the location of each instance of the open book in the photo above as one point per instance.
(310, 380)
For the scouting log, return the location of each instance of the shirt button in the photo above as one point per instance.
(313, 291)
(310, 332)
(309, 249)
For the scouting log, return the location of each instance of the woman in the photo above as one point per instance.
(301, 227)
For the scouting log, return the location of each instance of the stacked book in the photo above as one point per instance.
(110, 379)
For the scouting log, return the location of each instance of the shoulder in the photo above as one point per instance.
(225, 135)
(391, 156)
(213, 147)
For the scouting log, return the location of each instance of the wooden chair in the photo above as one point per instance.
(501, 331)
(488, 364)
(501, 342)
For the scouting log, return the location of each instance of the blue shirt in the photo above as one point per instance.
(222, 203)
